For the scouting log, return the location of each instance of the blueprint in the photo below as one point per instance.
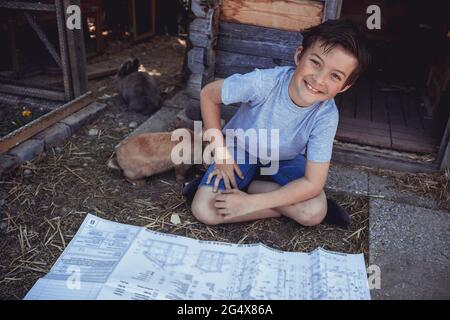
(109, 260)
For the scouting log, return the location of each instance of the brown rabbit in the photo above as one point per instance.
(147, 154)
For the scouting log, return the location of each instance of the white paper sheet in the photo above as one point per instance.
(109, 260)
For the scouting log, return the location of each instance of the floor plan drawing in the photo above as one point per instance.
(122, 262)
(164, 253)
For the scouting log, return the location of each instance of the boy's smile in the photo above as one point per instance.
(320, 75)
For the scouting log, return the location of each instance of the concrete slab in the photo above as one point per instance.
(27, 150)
(385, 187)
(179, 100)
(411, 245)
(158, 122)
(54, 135)
(7, 163)
(84, 116)
(347, 180)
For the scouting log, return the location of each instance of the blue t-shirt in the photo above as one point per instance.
(265, 104)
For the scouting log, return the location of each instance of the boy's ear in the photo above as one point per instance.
(298, 53)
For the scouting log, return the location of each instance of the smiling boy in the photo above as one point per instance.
(299, 103)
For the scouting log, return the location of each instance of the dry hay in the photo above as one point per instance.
(43, 210)
(435, 185)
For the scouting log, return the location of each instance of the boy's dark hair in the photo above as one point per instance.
(344, 33)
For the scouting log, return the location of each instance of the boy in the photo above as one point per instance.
(299, 103)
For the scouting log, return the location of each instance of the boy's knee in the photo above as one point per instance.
(310, 220)
(203, 213)
(310, 215)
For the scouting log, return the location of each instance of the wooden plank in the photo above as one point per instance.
(348, 102)
(258, 41)
(412, 131)
(43, 122)
(32, 92)
(372, 137)
(413, 146)
(63, 49)
(261, 34)
(230, 63)
(410, 108)
(23, 5)
(278, 14)
(332, 9)
(363, 104)
(77, 54)
(382, 127)
(417, 136)
(395, 109)
(209, 58)
(378, 160)
(379, 108)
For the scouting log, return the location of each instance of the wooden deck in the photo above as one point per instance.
(386, 118)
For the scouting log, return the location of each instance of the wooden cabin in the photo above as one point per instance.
(396, 116)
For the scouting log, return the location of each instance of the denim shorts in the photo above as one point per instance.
(288, 170)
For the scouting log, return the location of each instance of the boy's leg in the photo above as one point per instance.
(203, 203)
(204, 210)
(308, 213)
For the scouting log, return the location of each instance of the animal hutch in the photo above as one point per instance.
(37, 47)
(395, 116)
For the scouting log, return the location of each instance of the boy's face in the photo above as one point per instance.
(320, 76)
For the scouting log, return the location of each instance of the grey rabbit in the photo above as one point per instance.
(138, 89)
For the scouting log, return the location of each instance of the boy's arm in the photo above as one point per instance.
(295, 191)
(210, 100)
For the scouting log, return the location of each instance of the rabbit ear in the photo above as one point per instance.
(124, 69)
(130, 66)
(136, 64)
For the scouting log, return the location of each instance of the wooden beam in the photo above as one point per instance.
(22, 5)
(33, 92)
(332, 9)
(77, 54)
(43, 38)
(64, 51)
(258, 41)
(209, 58)
(278, 14)
(30, 129)
(229, 63)
(378, 160)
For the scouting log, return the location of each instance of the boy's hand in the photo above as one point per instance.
(226, 172)
(234, 202)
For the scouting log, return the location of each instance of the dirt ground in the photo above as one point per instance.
(43, 203)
